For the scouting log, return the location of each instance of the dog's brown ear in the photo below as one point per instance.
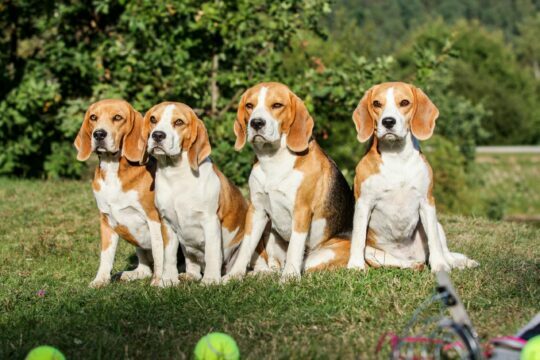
(133, 147)
(83, 141)
(198, 145)
(423, 121)
(240, 124)
(301, 128)
(364, 122)
(145, 133)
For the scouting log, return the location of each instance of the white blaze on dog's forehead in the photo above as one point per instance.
(390, 108)
(167, 114)
(171, 143)
(164, 123)
(260, 109)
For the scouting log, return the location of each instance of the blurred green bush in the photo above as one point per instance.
(60, 56)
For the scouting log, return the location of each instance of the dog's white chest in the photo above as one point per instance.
(122, 208)
(397, 191)
(185, 201)
(275, 189)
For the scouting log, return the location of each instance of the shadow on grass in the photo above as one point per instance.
(132, 262)
(328, 314)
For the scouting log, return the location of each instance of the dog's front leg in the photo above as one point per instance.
(362, 212)
(213, 256)
(256, 220)
(428, 216)
(170, 251)
(297, 245)
(156, 240)
(109, 242)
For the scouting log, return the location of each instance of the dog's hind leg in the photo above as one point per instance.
(378, 258)
(143, 269)
(334, 253)
(456, 260)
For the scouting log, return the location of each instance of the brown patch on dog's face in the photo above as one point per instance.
(106, 124)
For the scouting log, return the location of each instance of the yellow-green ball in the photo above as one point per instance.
(217, 346)
(45, 352)
(531, 350)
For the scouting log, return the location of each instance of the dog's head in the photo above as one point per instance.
(390, 110)
(171, 128)
(110, 126)
(269, 112)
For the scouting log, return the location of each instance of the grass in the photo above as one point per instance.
(513, 180)
(49, 240)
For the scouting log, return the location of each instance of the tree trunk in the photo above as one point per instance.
(536, 70)
(214, 90)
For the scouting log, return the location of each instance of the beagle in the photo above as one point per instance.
(124, 190)
(294, 185)
(201, 208)
(395, 222)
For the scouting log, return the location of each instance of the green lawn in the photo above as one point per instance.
(514, 179)
(49, 240)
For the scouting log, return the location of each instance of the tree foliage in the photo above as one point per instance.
(478, 65)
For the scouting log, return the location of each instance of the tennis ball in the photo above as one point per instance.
(217, 346)
(531, 350)
(45, 352)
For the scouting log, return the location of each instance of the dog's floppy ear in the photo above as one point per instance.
(301, 128)
(133, 146)
(240, 124)
(145, 133)
(83, 141)
(425, 114)
(198, 147)
(364, 122)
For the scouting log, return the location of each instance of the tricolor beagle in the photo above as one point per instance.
(294, 184)
(201, 208)
(395, 223)
(124, 190)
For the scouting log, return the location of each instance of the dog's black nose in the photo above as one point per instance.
(100, 134)
(257, 123)
(388, 122)
(158, 135)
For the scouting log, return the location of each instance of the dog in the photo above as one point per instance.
(395, 222)
(201, 208)
(123, 189)
(294, 185)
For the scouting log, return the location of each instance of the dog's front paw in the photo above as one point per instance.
(211, 280)
(189, 277)
(356, 264)
(165, 282)
(274, 264)
(100, 282)
(289, 276)
(233, 275)
(156, 282)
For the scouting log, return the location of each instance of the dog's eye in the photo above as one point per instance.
(404, 103)
(117, 117)
(277, 106)
(249, 106)
(377, 104)
(93, 117)
(179, 122)
(153, 119)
